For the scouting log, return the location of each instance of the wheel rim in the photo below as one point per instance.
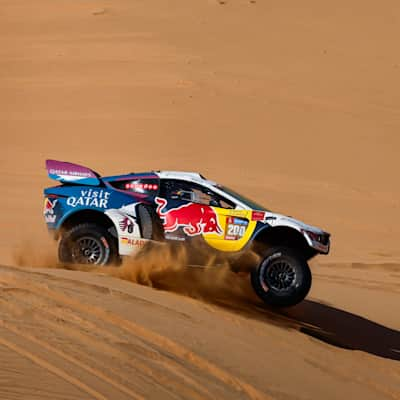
(88, 250)
(280, 276)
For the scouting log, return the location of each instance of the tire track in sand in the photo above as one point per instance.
(71, 360)
(52, 368)
(49, 320)
(153, 338)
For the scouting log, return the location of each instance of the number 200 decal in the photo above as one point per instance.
(235, 228)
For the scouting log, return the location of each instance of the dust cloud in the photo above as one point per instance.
(167, 267)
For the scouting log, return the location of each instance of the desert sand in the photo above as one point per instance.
(295, 103)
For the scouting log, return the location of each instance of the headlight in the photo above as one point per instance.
(322, 238)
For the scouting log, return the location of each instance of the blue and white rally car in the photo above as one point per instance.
(99, 219)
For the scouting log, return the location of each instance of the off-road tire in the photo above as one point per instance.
(282, 278)
(88, 243)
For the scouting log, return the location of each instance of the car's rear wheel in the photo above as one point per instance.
(87, 244)
(282, 278)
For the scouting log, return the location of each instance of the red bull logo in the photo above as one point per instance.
(193, 218)
(48, 204)
(48, 211)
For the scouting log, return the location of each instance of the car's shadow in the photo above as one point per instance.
(323, 322)
(326, 323)
(344, 329)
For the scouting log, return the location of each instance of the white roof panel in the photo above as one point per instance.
(186, 176)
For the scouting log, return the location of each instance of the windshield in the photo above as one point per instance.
(248, 202)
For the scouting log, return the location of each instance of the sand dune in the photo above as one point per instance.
(106, 338)
(295, 103)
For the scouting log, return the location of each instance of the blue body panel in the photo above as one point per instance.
(67, 200)
(84, 189)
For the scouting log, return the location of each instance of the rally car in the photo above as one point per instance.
(99, 219)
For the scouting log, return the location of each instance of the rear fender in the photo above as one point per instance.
(121, 223)
(63, 201)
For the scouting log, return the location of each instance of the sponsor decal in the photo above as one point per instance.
(235, 228)
(126, 225)
(262, 216)
(257, 215)
(49, 214)
(90, 198)
(133, 242)
(174, 237)
(80, 174)
(194, 218)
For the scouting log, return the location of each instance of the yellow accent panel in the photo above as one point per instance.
(219, 242)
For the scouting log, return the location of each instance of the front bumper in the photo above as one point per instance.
(319, 241)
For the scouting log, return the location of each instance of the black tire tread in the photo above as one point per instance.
(64, 253)
(295, 297)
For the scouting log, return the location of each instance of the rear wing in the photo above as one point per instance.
(66, 172)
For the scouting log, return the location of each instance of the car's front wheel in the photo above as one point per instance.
(282, 278)
(87, 244)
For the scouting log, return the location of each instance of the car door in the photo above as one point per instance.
(237, 228)
(182, 213)
(189, 210)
